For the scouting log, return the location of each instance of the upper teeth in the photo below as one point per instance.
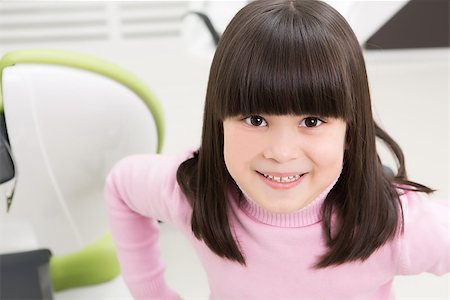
(282, 179)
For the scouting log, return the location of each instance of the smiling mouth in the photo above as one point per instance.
(282, 179)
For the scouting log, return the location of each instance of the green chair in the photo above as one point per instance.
(69, 118)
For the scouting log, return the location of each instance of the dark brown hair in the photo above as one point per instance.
(296, 57)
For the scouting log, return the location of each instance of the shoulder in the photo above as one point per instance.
(425, 241)
(144, 163)
(147, 183)
(153, 169)
(419, 206)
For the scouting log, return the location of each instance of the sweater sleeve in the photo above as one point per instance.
(425, 243)
(140, 190)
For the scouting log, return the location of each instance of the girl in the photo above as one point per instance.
(286, 197)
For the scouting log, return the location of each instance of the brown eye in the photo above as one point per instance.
(311, 122)
(256, 121)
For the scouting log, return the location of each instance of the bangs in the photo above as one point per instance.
(283, 65)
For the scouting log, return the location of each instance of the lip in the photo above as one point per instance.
(281, 185)
(277, 174)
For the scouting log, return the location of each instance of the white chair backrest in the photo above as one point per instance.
(67, 128)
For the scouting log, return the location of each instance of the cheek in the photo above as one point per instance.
(329, 154)
(230, 153)
(239, 145)
(234, 151)
(240, 151)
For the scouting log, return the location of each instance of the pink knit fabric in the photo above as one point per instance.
(280, 249)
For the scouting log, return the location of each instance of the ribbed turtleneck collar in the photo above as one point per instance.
(308, 215)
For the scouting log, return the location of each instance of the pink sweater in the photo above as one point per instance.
(279, 248)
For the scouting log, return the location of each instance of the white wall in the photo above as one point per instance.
(410, 94)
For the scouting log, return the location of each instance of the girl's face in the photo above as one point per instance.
(283, 162)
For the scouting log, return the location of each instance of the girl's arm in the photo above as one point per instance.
(425, 244)
(139, 191)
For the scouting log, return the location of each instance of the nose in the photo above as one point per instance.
(283, 146)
